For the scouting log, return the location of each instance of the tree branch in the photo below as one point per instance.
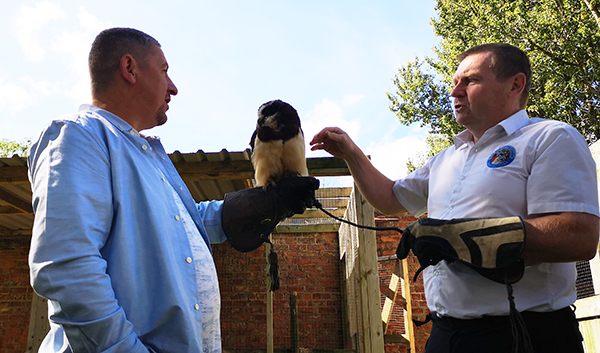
(594, 11)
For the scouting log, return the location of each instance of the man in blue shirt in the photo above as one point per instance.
(119, 247)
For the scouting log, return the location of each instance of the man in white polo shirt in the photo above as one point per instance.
(503, 165)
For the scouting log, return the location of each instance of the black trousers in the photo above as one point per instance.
(551, 332)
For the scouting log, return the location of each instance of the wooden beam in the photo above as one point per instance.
(333, 192)
(409, 331)
(390, 300)
(9, 210)
(243, 169)
(38, 323)
(209, 170)
(369, 276)
(389, 339)
(16, 201)
(13, 175)
(341, 202)
(328, 166)
(212, 170)
(270, 318)
(308, 228)
(316, 213)
(6, 231)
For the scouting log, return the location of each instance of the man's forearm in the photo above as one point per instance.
(561, 237)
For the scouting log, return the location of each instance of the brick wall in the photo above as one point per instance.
(15, 295)
(309, 267)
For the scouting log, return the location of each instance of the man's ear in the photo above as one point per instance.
(518, 84)
(128, 68)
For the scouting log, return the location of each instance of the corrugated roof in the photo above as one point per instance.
(209, 176)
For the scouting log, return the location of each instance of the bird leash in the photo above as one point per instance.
(318, 205)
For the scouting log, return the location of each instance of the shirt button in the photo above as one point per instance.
(462, 177)
(163, 179)
(144, 147)
(176, 217)
(452, 207)
(188, 260)
(197, 307)
(131, 132)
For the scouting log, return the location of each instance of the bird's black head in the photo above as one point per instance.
(277, 120)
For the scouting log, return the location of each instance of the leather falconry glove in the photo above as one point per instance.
(490, 246)
(249, 216)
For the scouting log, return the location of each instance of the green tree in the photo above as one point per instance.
(561, 37)
(10, 148)
(435, 144)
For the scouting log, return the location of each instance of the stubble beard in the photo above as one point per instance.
(161, 119)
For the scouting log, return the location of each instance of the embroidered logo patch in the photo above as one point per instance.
(502, 157)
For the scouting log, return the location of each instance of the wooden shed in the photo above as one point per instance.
(348, 275)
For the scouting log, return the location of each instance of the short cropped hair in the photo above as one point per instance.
(107, 50)
(507, 61)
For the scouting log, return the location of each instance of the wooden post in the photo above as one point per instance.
(369, 277)
(408, 323)
(269, 302)
(294, 323)
(38, 323)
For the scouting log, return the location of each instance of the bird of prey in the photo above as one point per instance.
(277, 144)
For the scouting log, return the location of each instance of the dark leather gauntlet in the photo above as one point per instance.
(491, 246)
(249, 216)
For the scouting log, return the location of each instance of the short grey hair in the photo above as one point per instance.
(107, 50)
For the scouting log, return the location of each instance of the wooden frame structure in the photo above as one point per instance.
(398, 289)
(209, 176)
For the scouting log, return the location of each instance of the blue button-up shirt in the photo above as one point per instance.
(108, 248)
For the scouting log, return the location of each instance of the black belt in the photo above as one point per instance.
(497, 320)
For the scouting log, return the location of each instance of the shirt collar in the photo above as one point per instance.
(510, 125)
(116, 121)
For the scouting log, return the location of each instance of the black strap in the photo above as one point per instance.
(521, 340)
(318, 205)
(273, 264)
(419, 323)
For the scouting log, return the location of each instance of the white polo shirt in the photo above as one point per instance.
(519, 167)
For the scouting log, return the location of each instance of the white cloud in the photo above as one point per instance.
(76, 46)
(390, 157)
(13, 98)
(352, 98)
(329, 113)
(30, 22)
(42, 87)
(89, 22)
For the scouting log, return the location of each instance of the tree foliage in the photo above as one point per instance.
(561, 38)
(435, 144)
(10, 148)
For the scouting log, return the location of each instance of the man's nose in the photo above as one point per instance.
(172, 89)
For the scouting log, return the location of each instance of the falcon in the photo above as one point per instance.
(277, 144)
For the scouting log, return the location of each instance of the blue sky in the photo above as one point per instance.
(333, 61)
